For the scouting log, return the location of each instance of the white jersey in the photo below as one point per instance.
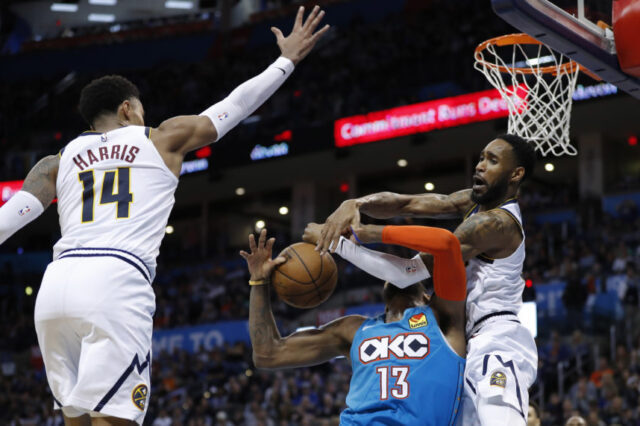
(115, 193)
(495, 285)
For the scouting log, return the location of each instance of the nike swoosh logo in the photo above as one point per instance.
(283, 71)
(366, 326)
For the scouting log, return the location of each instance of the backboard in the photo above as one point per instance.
(571, 27)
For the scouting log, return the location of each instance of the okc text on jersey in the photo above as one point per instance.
(401, 346)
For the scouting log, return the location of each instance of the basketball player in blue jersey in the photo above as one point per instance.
(501, 353)
(115, 187)
(408, 363)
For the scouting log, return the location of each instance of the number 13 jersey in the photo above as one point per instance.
(404, 373)
(115, 193)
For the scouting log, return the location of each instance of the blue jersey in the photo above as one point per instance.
(404, 373)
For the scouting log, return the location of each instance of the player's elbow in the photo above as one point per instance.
(264, 361)
(452, 242)
(260, 361)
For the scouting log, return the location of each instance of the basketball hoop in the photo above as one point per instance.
(538, 97)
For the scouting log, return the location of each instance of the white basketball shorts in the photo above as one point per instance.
(93, 318)
(502, 362)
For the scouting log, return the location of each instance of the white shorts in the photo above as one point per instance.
(93, 317)
(502, 362)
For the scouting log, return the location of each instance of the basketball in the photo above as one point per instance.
(306, 279)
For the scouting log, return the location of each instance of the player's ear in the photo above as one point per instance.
(124, 110)
(517, 175)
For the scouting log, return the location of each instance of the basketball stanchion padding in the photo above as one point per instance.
(539, 98)
(626, 30)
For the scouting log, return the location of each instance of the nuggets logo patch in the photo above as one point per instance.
(139, 396)
(418, 320)
(498, 378)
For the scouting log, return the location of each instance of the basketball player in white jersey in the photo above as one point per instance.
(501, 353)
(115, 187)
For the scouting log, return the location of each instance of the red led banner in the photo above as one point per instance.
(422, 117)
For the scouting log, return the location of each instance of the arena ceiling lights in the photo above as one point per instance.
(178, 4)
(64, 7)
(47, 18)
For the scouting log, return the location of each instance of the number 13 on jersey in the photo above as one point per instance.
(399, 389)
(123, 197)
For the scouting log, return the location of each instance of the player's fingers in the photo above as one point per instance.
(326, 229)
(244, 254)
(252, 242)
(278, 33)
(312, 16)
(316, 21)
(298, 22)
(279, 260)
(334, 243)
(263, 238)
(319, 34)
(270, 243)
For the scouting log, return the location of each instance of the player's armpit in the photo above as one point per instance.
(311, 347)
(484, 232)
(41, 180)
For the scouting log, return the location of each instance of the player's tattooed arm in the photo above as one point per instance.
(41, 180)
(492, 232)
(385, 205)
(307, 347)
(303, 348)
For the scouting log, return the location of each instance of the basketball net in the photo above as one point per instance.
(537, 85)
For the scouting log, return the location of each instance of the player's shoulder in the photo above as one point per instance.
(494, 224)
(346, 327)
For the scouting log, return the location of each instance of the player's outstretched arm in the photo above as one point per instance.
(308, 347)
(183, 134)
(385, 205)
(38, 191)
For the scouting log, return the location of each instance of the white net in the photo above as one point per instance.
(537, 84)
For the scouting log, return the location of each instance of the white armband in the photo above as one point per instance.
(398, 271)
(246, 98)
(21, 209)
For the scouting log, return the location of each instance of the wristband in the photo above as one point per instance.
(263, 281)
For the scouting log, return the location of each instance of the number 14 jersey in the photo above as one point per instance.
(404, 373)
(114, 192)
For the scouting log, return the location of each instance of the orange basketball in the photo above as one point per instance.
(306, 279)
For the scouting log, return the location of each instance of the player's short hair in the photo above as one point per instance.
(524, 153)
(413, 291)
(103, 96)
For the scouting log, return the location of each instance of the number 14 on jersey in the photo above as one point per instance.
(123, 197)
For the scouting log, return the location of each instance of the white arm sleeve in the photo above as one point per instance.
(246, 98)
(21, 209)
(398, 271)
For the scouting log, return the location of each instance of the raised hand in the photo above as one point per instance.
(302, 38)
(259, 260)
(338, 224)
